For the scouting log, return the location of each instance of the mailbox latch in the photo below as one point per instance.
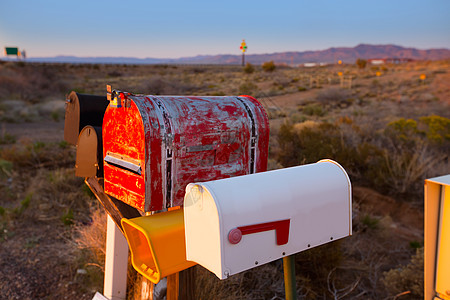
(281, 230)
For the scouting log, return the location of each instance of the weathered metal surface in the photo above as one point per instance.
(82, 110)
(178, 140)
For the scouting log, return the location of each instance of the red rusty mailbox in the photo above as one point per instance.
(153, 146)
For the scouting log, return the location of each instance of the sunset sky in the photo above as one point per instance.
(172, 29)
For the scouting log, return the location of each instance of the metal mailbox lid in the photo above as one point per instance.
(176, 140)
(278, 213)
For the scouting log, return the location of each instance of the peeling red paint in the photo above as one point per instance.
(178, 140)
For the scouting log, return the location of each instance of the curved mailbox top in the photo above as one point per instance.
(234, 224)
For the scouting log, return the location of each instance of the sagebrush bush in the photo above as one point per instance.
(437, 129)
(90, 241)
(310, 144)
(334, 96)
(314, 109)
(314, 266)
(413, 149)
(396, 159)
(407, 278)
(268, 66)
(248, 88)
(92, 237)
(249, 68)
(361, 63)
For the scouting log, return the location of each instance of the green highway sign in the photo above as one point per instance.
(12, 51)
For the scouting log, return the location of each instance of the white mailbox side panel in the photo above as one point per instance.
(235, 224)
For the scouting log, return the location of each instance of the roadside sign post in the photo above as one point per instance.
(14, 51)
(243, 49)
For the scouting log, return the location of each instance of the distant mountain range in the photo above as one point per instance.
(331, 55)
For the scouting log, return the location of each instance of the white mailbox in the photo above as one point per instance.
(238, 223)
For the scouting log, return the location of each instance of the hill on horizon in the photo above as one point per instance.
(330, 55)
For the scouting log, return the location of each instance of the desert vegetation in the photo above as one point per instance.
(390, 130)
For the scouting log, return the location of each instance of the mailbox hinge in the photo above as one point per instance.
(117, 98)
(168, 141)
(253, 138)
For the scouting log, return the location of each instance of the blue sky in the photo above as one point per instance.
(171, 29)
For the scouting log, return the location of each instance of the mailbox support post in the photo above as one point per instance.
(290, 286)
(116, 263)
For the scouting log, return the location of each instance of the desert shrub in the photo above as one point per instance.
(437, 129)
(248, 88)
(263, 282)
(249, 68)
(90, 240)
(92, 236)
(7, 138)
(310, 144)
(396, 161)
(5, 168)
(404, 130)
(314, 109)
(55, 115)
(67, 217)
(361, 63)
(407, 278)
(369, 222)
(412, 150)
(404, 171)
(334, 96)
(268, 66)
(314, 267)
(433, 129)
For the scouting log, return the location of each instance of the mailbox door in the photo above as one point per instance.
(125, 154)
(443, 247)
(89, 161)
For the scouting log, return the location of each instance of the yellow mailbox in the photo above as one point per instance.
(437, 238)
